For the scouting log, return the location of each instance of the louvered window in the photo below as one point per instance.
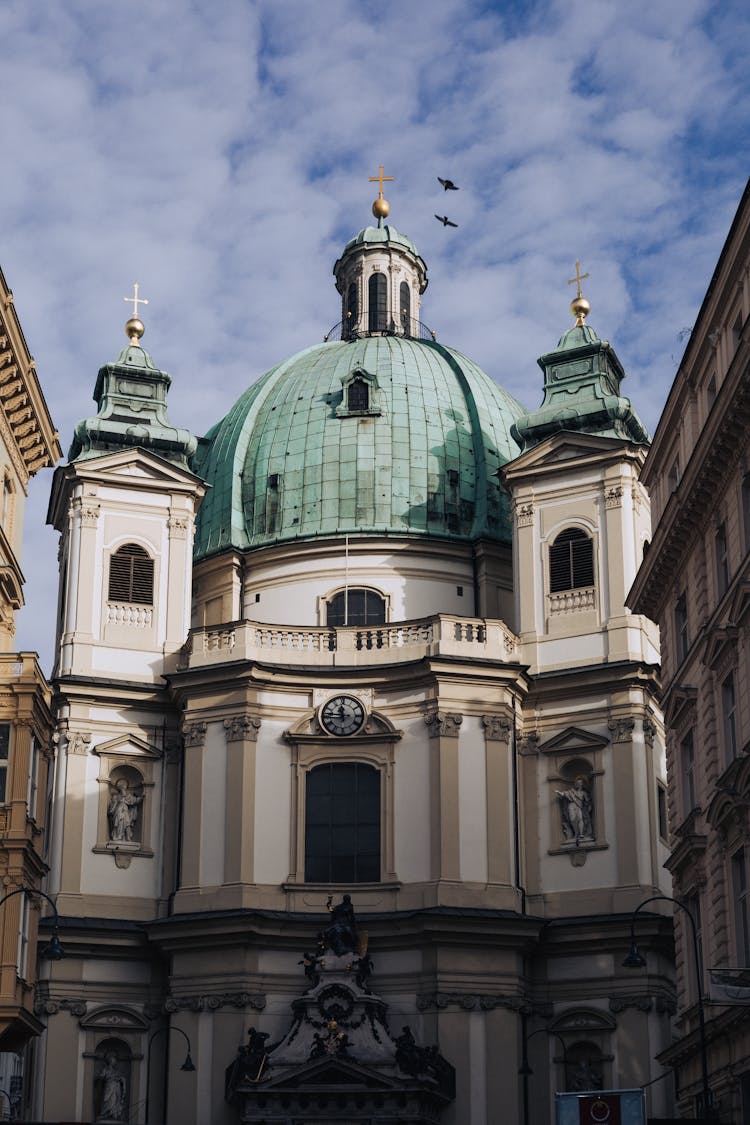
(358, 397)
(131, 576)
(571, 561)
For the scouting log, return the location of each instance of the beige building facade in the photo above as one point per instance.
(28, 443)
(366, 638)
(694, 582)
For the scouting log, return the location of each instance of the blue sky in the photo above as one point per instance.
(220, 155)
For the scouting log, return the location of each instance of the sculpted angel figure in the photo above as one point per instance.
(576, 811)
(123, 811)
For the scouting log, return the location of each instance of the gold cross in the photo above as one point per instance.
(379, 181)
(578, 277)
(136, 300)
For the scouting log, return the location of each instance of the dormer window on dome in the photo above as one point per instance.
(360, 394)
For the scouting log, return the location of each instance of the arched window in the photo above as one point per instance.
(377, 289)
(131, 575)
(356, 607)
(404, 304)
(571, 561)
(352, 309)
(342, 823)
(358, 396)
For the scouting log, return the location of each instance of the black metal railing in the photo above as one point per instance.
(407, 327)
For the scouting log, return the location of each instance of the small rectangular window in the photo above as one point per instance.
(711, 392)
(4, 754)
(693, 904)
(746, 512)
(737, 330)
(460, 591)
(674, 475)
(661, 811)
(32, 791)
(23, 937)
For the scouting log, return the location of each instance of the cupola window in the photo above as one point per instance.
(352, 310)
(404, 297)
(131, 575)
(377, 290)
(571, 561)
(356, 607)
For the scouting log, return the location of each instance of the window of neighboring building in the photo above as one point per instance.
(711, 392)
(356, 607)
(404, 297)
(722, 559)
(358, 396)
(342, 823)
(377, 288)
(571, 561)
(681, 627)
(693, 903)
(674, 475)
(33, 785)
(746, 511)
(737, 330)
(661, 811)
(729, 711)
(7, 504)
(131, 575)
(741, 908)
(4, 753)
(23, 937)
(687, 759)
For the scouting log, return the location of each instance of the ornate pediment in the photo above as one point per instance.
(680, 706)
(720, 649)
(341, 1073)
(574, 739)
(115, 1019)
(583, 1019)
(127, 746)
(739, 606)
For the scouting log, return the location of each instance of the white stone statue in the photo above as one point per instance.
(114, 1091)
(576, 811)
(122, 811)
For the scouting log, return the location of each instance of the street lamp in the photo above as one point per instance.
(636, 960)
(54, 951)
(524, 1069)
(188, 1064)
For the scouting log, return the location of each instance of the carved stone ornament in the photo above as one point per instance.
(622, 729)
(497, 728)
(619, 1004)
(79, 742)
(214, 1001)
(178, 527)
(524, 515)
(528, 743)
(613, 497)
(444, 724)
(649, 732)
(470, 1001)
(48, 1007)
(242, 728)
(89, 515)
(195, 734)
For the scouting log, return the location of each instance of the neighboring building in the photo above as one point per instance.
(28, 443)
(367, 637)
(695, 582)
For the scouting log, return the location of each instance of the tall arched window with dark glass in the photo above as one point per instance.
(571, 561)
(377, 291)
(358, 396)
(356, 607)
(131, 575)
(342, 823)
(352, 310)
(404, 298)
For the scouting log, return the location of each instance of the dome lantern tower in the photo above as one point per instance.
(381, 278)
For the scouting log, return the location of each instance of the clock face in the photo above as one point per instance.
(344, 714)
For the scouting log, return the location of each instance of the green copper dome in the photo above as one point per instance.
(379, 435)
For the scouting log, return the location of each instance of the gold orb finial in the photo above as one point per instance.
(134, 329)
(579, 306)
(381, 208)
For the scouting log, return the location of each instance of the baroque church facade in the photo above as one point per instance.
(367, 637)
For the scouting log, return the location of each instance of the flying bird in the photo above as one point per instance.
(445, 221)
(448, 184)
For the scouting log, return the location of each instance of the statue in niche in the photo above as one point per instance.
(113, 1091)
(586, 1076)
(122, 811)
(576, 808)
(341, 935)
